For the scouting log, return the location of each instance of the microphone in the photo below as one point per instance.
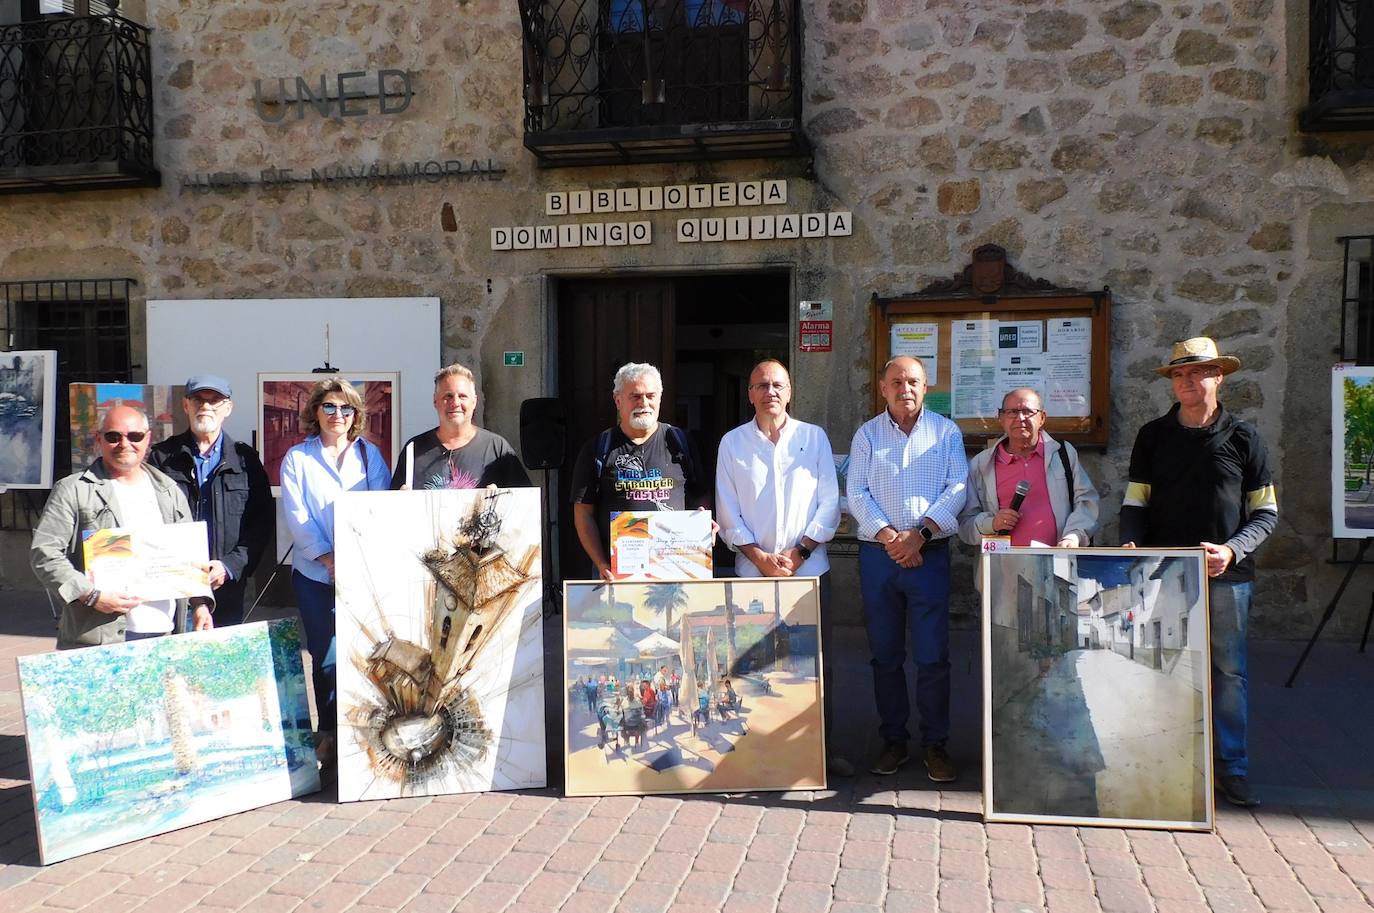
(1023, 488)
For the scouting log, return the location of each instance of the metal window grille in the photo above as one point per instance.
(87, 322)
(1340, 66)
(76, 104)
(637, 72)
(1357, 300)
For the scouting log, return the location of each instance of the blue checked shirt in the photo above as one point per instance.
(897, 479)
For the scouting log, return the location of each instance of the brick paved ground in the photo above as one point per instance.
(874, 844)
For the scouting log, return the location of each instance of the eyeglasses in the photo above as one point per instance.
(113, 437)
(1021, 413)
(343, 409)
(765, 387)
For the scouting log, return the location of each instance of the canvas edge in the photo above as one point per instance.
(1208, 822)
(28, 755)
(567, 735)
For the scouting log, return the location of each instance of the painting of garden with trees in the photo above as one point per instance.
(129, 740)
(1352, 452)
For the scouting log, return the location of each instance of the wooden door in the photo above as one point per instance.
(603, 324)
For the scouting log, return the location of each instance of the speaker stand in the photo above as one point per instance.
(551, 606)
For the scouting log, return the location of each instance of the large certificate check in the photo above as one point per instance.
(662, 545)
(150, 562)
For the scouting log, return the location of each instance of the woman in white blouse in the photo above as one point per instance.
(335, 458)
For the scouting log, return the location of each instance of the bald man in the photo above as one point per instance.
(117, 490)
(906, 486)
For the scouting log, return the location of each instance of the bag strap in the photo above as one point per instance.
(1068, 471)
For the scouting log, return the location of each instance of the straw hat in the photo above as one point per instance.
(1200, 350)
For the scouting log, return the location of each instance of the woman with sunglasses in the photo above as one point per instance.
(335, 458)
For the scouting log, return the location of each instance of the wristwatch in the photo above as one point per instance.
(803, 551)
(926, 534)
(90, 599)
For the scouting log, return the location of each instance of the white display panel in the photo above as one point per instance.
(238, 338)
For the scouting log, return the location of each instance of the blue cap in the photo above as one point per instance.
(202, 382)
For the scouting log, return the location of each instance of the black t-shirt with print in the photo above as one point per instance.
(638, 477)
(485, 460)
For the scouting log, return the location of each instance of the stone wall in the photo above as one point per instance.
(1148, 146)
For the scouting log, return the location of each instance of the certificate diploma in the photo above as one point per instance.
(150, 562)
(661, 545)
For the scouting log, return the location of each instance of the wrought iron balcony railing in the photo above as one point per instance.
(1340, 66)
(611, 81)
(76, 105)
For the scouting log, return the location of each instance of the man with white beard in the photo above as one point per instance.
(227, 487)
(639, 465)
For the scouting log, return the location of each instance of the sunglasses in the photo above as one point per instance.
(345, 410)
(113, 437)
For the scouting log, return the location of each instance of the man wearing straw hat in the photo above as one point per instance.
(1200, 476)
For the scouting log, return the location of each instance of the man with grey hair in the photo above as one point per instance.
(226, 486)
(639, 465)
(117, 490)
(458, 454)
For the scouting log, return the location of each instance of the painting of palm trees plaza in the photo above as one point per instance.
(1096, 687)
(693, 686)
(129, 740)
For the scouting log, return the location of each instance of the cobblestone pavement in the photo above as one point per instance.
(892, 844)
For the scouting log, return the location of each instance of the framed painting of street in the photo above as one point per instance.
(692, 686)
(1096, 688)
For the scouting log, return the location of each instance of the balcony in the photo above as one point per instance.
(620, 81)
(76, 105)
(1340, 66)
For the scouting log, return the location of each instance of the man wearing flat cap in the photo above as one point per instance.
(227, 487)
(1200, 476)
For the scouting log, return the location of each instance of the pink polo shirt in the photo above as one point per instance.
(1037, 516)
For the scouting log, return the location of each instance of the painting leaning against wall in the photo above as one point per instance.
(1096, 688)
(28, 401)
(130, 740)
(440, 642)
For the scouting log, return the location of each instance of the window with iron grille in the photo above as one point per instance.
(1357, 300)
(76, 106)
(87, 322)
(661, 80)
(1340, 66)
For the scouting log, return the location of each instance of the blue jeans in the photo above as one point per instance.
(896, 598)
(315, 601)
(1230, 614)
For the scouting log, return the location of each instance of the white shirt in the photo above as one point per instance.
(773, 494)
(137, 503)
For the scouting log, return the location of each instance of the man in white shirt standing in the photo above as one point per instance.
(117, 490)
(778, 501)
(907, 478)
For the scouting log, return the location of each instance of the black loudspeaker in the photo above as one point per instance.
(543, 433)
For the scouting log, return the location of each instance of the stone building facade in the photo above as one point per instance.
(1147, 145)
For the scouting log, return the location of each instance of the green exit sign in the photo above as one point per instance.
(514, 359)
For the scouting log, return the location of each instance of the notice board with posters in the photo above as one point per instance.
(989, 330)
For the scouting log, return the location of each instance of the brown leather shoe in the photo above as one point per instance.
(939, 767)
(894, 755)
